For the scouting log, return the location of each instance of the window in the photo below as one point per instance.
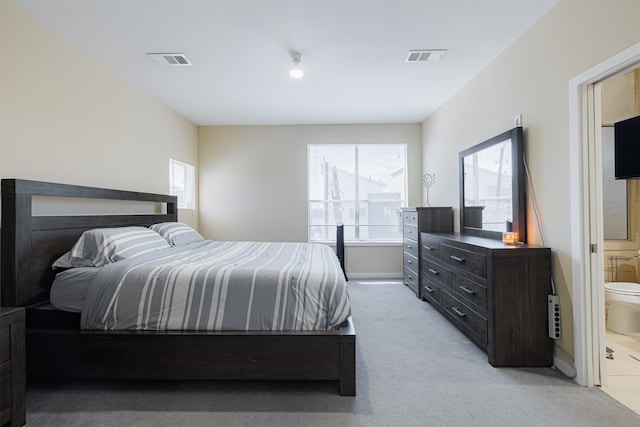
(182, 183)
(362, 186)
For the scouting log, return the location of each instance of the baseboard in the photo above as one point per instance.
(374, 275)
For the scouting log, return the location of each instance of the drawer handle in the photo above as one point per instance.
(429, 289)
(409, 247)
(457, 258)
(410, 231)
(429, 248)
(409, 261)
(458, 312)
(434, 272)
(467, 290)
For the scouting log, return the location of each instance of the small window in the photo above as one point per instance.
(182, 183)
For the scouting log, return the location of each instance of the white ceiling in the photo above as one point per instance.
(353, 53)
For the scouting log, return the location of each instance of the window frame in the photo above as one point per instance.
(189, 184)
(403, 201)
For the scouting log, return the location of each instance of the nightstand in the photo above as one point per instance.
(12, 363)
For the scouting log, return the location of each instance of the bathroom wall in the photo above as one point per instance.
(621, 256)
(620, 100)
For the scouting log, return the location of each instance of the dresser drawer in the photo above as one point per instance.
(411, 263)
(5, 348)
(411, 280)
(411, 247)
(472, 262)
(471, 292)
(5, 402)
(471, 322)
(410, 217)
(430, 290)
(437, 273)
(410, 232)
(430, 245)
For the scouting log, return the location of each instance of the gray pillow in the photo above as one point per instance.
(101, 246)
(177, 233)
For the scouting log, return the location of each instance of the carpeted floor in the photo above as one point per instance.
(414, 369)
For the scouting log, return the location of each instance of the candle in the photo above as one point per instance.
(510, 237)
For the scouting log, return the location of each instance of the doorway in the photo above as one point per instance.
(587, 218)
(617, 99)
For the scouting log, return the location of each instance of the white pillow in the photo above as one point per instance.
(101, 246)
(177, 233)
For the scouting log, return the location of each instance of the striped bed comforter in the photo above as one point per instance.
(216, 286)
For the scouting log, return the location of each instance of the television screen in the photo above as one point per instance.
(627, 148)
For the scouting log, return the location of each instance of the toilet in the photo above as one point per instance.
(623, 307)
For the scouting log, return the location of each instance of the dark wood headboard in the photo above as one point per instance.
(30, 244)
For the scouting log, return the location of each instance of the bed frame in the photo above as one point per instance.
(58, 348)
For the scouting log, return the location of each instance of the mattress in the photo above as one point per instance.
(219, 286)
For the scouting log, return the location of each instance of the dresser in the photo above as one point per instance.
(12, 364)
(495, 293)
(414, 222)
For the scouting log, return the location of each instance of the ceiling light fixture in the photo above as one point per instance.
(296, 72)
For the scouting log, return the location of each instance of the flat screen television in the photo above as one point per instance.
(627, 148)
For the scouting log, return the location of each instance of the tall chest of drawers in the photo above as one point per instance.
(414, 222)
(495, 293)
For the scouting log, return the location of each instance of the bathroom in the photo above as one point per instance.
(620, 97)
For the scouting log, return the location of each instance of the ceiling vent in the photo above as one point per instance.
(430, 55)
(172, 59)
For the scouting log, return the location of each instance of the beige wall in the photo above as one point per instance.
(254, 181)
(532, 77)
(64, 117)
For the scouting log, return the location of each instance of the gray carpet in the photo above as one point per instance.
(414, 369)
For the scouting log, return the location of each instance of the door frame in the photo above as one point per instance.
(586, 229)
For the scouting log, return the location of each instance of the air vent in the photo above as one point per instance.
(172, 59)
(430, 55)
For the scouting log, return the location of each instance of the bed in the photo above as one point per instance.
(57, 346)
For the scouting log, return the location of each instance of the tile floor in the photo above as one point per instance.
(623, 371)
